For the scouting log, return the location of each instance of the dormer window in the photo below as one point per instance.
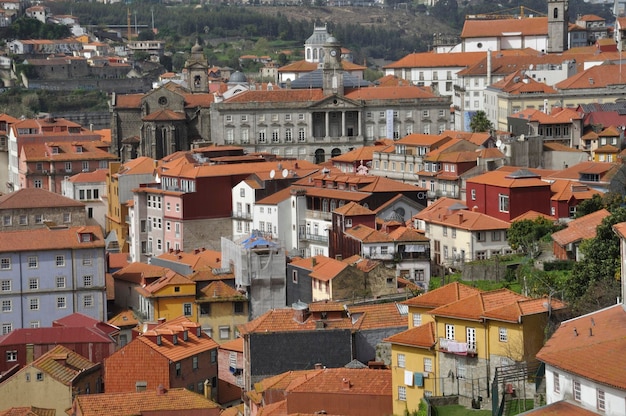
(79, 149)
(158, 339)
(86, 237)
(199, 331)
(54, 150)
(174, 339)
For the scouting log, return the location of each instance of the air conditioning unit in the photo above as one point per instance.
(44, 171)
(425, 374)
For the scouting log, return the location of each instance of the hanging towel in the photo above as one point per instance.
(408, 378)
(419, 379)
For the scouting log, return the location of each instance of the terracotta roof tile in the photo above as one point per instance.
(28, 411)
(506, 179)
(532, 215)
(440, 212)
(599, 76)
(36, 198)
(581, 228)
(560, 408)
(99, 175)
(123, 404)
(321, 267)
(444, 295)
(218, 291)
(233, 345)
(566, 190)
(124, 319)
(479, 28)
(50, 239)
(363, 381)
(601, 335)
(184, 349)
(170, 278)
(138, 166)
(136, 272)
(367, 234)
(352, 208)
(422, 336)
(91, 150)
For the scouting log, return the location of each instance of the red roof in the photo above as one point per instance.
(599, 336)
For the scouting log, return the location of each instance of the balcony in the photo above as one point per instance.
(242, 215)
(454, 347)
(319, 214)
(313, 237)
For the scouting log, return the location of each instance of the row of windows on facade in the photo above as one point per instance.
(577, 392)
(7, 220)
(244, 118)
(34, 305)
(6, 285)
(33, 261)
(69, 167)
(288, 133)
(408, 167)
(155, 201)
(503, 201)
(61, 303)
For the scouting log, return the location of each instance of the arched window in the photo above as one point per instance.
(325, 205)
(308, 54)
(333, 205)
(556, 13)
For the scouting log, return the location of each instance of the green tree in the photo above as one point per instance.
(480, 122)
(594, 282)
(525, 234)
(610, 200)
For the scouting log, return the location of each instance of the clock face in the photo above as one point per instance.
(333, 53)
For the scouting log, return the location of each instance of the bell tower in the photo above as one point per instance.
(558, 21)
(332, 70)
(197, 70)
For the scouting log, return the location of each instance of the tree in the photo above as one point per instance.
(610, 200)
(594, 281)
(480, 122)
(525, 234)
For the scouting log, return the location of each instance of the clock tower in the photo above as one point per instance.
(558, 21)
(332, 70)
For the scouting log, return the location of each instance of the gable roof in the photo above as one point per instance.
(184, 349)
(600, 335)
(434, 59)
(321, 267)
(51, 239)
(168, 279)
(422, 336)
(28, 411)
(453, 213)
(62, 364)
(136, 403)
(581, 228)
(598, 76)
(363, 381)
(442, 296)
(481, 28)
(36, 198)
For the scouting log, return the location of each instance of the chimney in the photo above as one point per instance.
(319, 366)
(460, 218)
(30, 353)
(345, 383)
(161, 320)
(313, 262)
(590, 332)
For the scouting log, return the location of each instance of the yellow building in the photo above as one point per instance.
(475, 333)
(169, 297)
(121, 180)
(221, 309)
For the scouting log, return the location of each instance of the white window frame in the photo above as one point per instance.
(401, 360)
(503, 334)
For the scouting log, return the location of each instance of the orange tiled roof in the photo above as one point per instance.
(561, 408)
(581, 228)
(136, 403)
(532, 215)
(407, 234)
(184, 349)
(233, 345)
(565, 190)
(321, 267)
(444, 295)
(51, 239)
(559, 147)
(123, 319)
(352, 208)
(530, 26)
(519, 83)
(196, 259)
(385, 315)
(506, 179)
(367, 234)
(422, 336)
(391, 80)
(599, 76)
(36, 198)
(363, 153)
(433, 59)
(99, 175)
(136, 272)
(218, 291)
(599, 336)
(557, 116)
(40, 152)
(363, 381)
(440, 213)
(604, 170)
(168, 279)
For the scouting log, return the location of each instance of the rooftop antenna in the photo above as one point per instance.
(128, 22)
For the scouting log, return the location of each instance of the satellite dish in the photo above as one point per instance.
(498, 143)
(285, 173)
(272, 173)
